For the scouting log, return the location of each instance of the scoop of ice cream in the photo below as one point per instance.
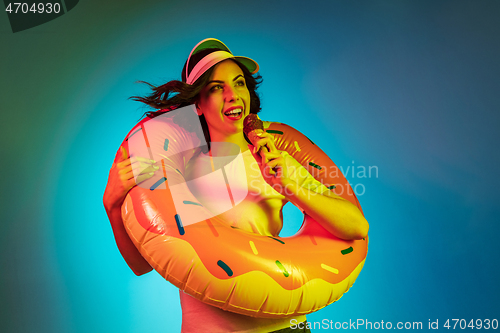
(252, 122)
(252, 126)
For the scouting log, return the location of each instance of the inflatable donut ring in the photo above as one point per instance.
(238, 271)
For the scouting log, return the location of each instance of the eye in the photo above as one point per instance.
(240, 83)
(216, 87)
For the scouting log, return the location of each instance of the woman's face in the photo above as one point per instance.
(225, 100)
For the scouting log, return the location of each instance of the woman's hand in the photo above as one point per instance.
(335, 214)
(265, 143)
(275, 172)
(121, 177)
(272, 164)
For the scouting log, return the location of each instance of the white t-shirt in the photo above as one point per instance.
(260, 212)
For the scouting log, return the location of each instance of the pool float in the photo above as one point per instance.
(238, 271)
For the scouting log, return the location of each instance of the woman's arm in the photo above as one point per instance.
(120, 181)
(127, 249)
(337, 215)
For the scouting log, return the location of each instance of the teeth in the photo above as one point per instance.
(234, 111)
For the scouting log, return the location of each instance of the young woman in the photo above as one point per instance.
(223, 89)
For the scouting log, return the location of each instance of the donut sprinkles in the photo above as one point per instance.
(235, 270)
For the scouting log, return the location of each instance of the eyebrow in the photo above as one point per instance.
(218, 81)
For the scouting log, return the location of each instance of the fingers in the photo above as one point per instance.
(135, 162)
(144, 168)
(135, 170)
(273, 163)
(121, 177)
(266, 140)
(136, 159)
(129, 179)
(124, 153)
(263, 155)
(121, 155)
(275, 167)
(144, 177)
(268, 155)
(143, 163)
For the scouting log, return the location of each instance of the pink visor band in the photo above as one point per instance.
(214, 58)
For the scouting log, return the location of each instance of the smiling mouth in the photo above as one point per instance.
(234, 114)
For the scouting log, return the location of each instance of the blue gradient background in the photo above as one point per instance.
(410, 87)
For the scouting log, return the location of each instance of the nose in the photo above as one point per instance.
(230, 94)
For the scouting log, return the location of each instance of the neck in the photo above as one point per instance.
(237, 138)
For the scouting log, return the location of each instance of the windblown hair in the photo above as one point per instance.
(175, 94)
